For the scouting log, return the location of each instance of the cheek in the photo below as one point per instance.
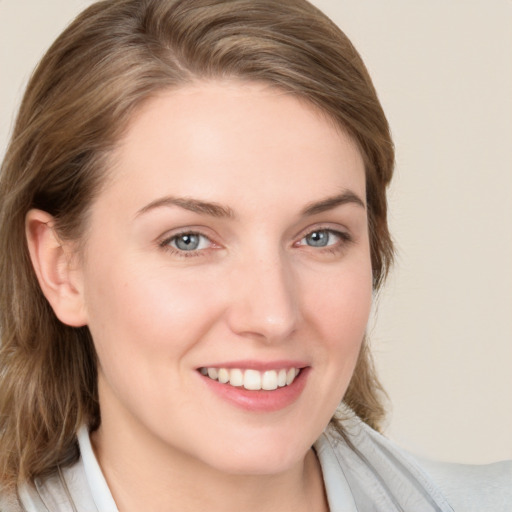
(137, 315)
(341, 302)
(145, 329)
(337, 307)
(341, 308)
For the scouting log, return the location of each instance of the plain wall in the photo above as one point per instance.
(442, 336)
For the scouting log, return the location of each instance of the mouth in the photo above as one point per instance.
(252, 379)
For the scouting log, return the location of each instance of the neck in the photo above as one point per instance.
(149, 476)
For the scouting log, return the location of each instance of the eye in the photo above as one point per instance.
(188, 242)
(323, 238)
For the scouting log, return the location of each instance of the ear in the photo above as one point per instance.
(55, 265)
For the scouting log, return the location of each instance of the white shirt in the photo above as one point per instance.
(362, 471)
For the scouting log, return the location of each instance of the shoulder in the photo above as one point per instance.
(64, 490)
(78, 487)
(370, 461)
(376, 473)
(473, 487)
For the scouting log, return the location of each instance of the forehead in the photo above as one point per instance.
(247, 141)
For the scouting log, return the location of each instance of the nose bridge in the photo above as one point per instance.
(265, 303)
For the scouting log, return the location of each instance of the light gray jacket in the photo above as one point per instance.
(363, 472)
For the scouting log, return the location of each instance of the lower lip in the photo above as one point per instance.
(261, 400)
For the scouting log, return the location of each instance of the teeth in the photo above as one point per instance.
(223, 375)
(269, 380)
(253, 380)
(236, 378)
(290, 376)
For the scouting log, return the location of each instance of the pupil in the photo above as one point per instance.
(318, 239)
(187, 242)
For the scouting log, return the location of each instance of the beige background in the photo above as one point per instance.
(443, 337)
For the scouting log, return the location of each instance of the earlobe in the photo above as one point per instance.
(53, 263)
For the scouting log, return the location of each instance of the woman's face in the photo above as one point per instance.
(230, 240)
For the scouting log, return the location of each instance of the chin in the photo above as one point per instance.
(260, 457)
(258, 465)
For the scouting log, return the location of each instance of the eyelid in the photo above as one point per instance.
(337, 230)
(344, 239)
(174, 240)
(329, 231)
(193, 229)
(164, 242)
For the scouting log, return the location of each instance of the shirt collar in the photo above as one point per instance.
(99, 489)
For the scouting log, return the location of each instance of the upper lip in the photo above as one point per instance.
(258, 365)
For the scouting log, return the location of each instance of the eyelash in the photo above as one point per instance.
(344, 239)
(166, 245)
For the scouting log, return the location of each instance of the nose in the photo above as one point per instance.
(264, 299)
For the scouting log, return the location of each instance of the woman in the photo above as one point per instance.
(194, 217)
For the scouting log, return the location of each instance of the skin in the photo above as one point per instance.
(255, 289)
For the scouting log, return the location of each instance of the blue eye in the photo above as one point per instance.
(323, 238)
(189, 242)
(318, 238)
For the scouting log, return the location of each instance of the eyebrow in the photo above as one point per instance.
(220, 211)
(346, 197)
(193, 205)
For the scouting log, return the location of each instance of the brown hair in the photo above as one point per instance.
(113, 57)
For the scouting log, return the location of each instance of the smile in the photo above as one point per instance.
(250, 379)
